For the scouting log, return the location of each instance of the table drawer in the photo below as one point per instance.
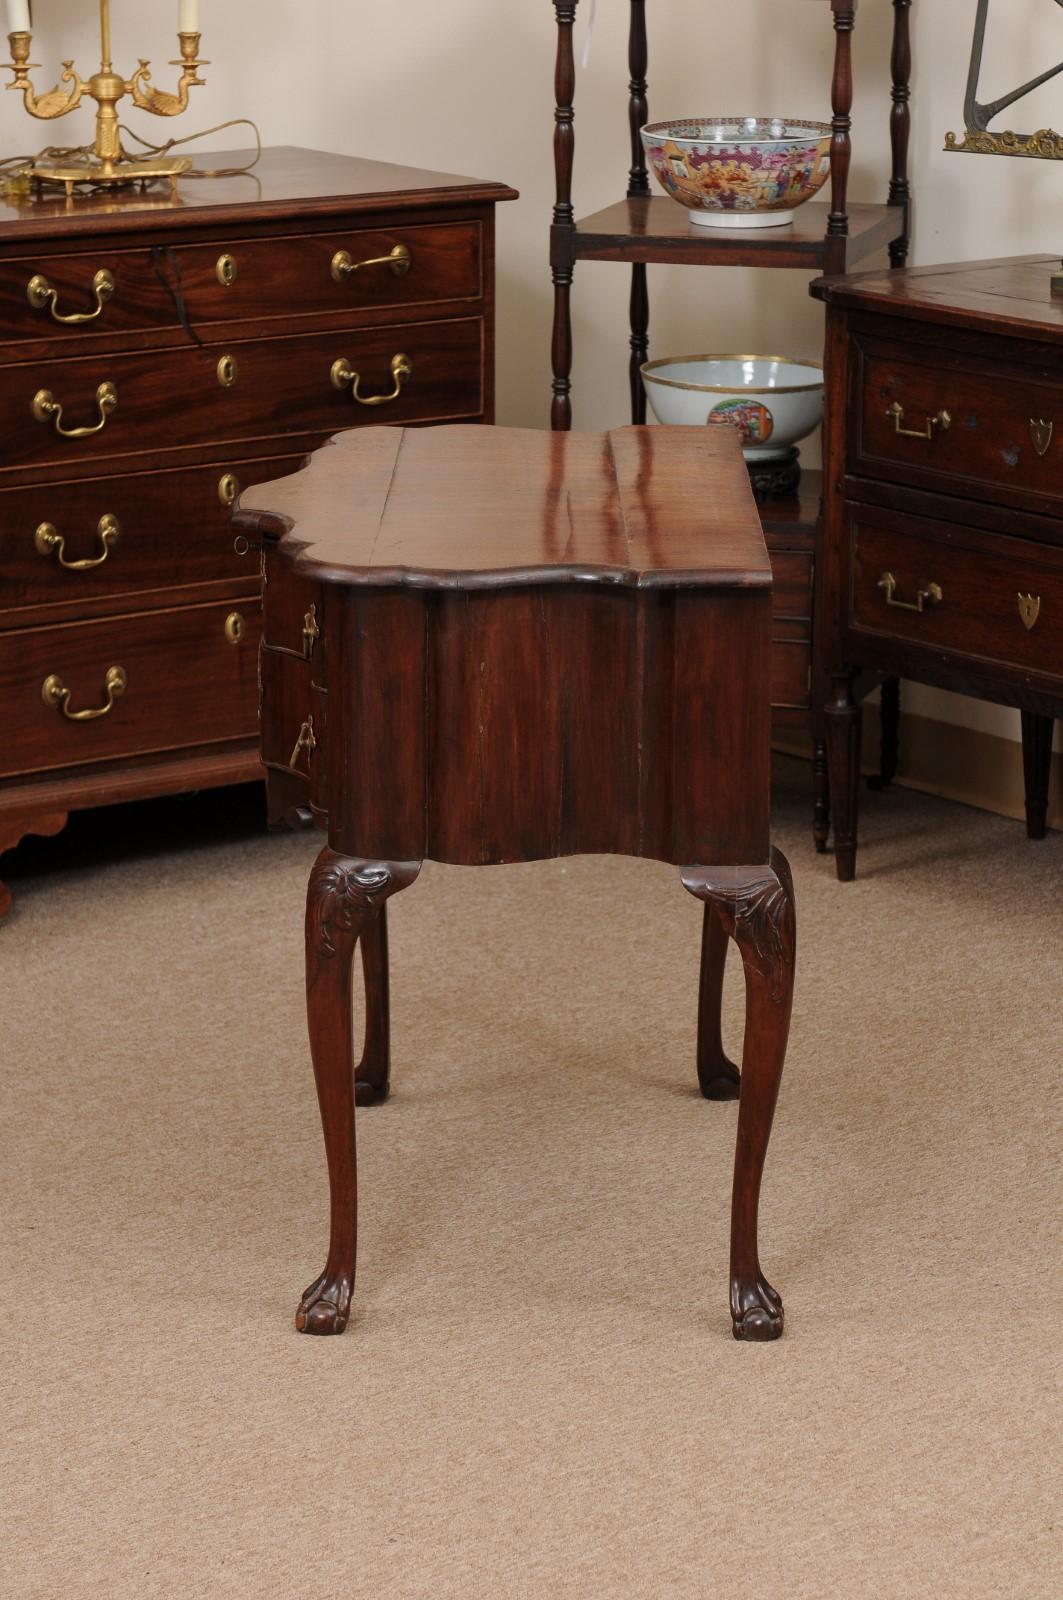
(256, 389)
(957, 591)
(292, 721)
(185, 684)
(133, 290)
(927, 420)
(77, 544)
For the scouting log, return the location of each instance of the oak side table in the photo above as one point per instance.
(485, 645)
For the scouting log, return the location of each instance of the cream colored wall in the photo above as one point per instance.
(466, 86)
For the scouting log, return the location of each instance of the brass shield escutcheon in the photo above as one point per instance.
(1029, 609)
(1041, 432)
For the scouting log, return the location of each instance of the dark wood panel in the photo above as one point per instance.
(981, 579)
(286, 277)
(977, 429)
(792, 584)
(173, 531)
(186, 685)
(166, 399)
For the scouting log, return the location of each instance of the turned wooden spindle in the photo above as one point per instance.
(900, 193)
(841, 96)
(564, 218)
(638, 184)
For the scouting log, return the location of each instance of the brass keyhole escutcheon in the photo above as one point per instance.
(228, 488)
(226, 271)
(235, 627)
(1029, 610)
(227, 371)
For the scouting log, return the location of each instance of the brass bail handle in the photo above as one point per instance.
(932, 595)
(46, 408)
(398, 260)
(943, 420)
(306, 741)
(42, 296)
(55, 694)
(50, 542)
(343, 374)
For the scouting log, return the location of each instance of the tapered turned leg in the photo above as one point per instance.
(821, 801)
(755, 907)
(842, 720)
(1037, 767)
(890, 728)
(372, 1077)
(344, 903)
(718, 1077)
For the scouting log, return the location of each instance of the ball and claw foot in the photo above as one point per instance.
(725, 1082)
(756, 1311)
(325, 1306)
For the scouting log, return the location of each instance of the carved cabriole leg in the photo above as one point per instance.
(14, 829)
(372, 1078)
(821, 802)
(1037, 767)
(755, 906)
(344, 903)
(900, 193)
(843, 721)
(718, 1077)
(561, 262)
(890, 729)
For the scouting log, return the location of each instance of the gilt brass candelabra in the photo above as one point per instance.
(105, 162)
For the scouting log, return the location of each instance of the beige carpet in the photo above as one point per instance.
(539, 1395)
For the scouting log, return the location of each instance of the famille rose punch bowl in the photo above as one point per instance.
(771, 400)
(739, 172)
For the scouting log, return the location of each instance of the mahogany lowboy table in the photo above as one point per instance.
(491, 645)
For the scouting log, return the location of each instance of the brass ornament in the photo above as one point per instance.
(1029, 610)
(47, 541)
(235, 627)
(56, 695)
(46, 408)
(227, 372)
(42, 296)
(1041, 433)
(225, 271)
(932, 595)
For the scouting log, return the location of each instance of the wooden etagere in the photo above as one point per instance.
(825, 237)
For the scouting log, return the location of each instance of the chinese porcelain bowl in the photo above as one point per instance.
(772, 400)
(739, 172)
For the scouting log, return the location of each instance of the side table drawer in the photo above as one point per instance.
(160, 680)
(254, 389)
(930, 422)
(77, 544)
(292, 721)
(953, 590)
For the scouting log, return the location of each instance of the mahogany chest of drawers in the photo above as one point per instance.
(943, 512)
(157, 354)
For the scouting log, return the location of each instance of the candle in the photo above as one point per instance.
(18, 16)
(188, 16)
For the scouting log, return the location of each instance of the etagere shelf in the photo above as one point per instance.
(825, 237)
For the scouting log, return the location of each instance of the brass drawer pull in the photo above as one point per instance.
(311, 632)
(343, 374)
(40, 295)
(306, 741)
(49, 542)
(932, 595)
(398, 260)
(943, 420)
(56, 695)
(46, 408)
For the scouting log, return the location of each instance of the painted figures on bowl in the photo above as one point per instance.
(739, 172)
